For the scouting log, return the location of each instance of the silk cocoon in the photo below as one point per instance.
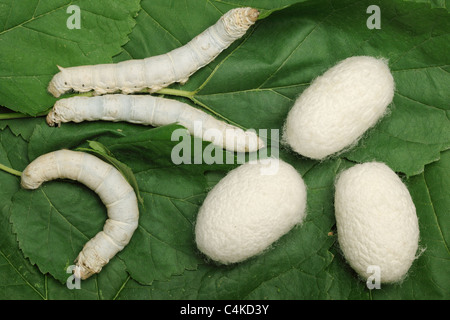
(249, 209)
(339, 107)
(376, 221)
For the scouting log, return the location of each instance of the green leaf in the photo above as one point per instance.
(18, 278)
(266, 91)
(435, 3)
(34, 39)
(49, 230)
(428, 277)
(104, 286)
(293, 268)
(45, 139)
(264, 72)
(22, 127)
(253, 84)
(68, 214)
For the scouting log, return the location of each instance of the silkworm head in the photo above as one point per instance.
(82, 271)
(54, 117)
(237, 21)
(35, 174)
(58, 85)
(28, 180)
(252, 14)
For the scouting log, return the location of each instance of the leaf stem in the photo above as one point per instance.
(19, 115)
(176, 92)
(191, 96)
(196, 101)
(10, 170)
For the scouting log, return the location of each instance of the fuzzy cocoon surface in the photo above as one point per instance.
(376, 221)
(249, 209)
(339, 106)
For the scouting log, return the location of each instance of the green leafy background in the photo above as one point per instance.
(253, 84)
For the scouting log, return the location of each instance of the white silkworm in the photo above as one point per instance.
(112, 188)
(158, 71)
(154, 111)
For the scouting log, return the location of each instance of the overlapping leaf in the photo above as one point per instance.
(428, 277)
(276, 61)
(256, 81)
(34, 39)
(18, 278)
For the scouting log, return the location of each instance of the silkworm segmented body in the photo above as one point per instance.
(159, 71)
(154, 111)
(112, 188)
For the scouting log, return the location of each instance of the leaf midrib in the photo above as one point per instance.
(435, 215)
(5, 257)
(31, 19)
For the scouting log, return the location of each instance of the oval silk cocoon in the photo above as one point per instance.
(339, 106)
(249, 209)
(376, 221)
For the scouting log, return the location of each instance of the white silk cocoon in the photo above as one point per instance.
(249, 209)
(376, 221)
(339, 106)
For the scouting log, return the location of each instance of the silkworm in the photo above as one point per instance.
(159, 71)
(155, 111)
(376, 221)
(339, 106)
(112, 188)
(249, 209)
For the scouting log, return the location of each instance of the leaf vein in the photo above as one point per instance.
(435, 215)
(31, 19)
(5, 257)
(159, 25)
